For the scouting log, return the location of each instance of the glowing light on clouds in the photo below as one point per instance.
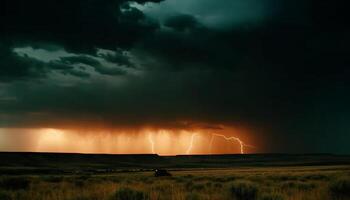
(162, 142)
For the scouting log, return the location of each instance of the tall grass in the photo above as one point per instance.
(5, 195)
(252, 184)
(340, 188)
(272, 197)
(244, 190)
(14, 183)
(126, 193)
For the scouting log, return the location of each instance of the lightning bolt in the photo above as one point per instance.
(211, 143)
(150, 139)
(240, 142)
(191, 144)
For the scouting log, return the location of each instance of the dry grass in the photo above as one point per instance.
(298, 183)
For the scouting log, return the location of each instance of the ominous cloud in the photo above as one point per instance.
(280, 68)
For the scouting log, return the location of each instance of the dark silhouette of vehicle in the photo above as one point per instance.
(161, 172)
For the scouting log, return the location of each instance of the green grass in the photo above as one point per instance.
(286, 183)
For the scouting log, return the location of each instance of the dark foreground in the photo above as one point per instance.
(27, 176)
(60, 163)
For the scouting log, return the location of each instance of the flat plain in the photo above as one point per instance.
(300, 180)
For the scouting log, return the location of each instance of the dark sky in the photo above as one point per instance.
(278, 67)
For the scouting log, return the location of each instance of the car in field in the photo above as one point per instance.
(161, 172)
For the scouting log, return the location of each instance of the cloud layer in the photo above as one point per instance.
(280, 68)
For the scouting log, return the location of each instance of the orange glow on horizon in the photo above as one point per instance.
(144, 141)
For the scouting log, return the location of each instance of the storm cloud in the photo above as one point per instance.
(280, 68)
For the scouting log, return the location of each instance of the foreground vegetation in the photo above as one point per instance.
(289, 183)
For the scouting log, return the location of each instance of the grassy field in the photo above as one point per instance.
(244, 183)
